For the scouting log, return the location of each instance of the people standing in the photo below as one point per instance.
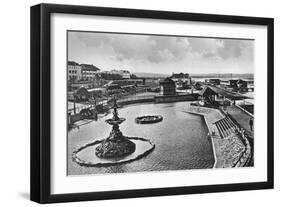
(251, 122)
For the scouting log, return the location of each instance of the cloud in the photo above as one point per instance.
(92, 39)
(210, 55)
(222, 49)
(165, 49)
(168, 48)
(154, 49)
(204, 45)
(234, 48)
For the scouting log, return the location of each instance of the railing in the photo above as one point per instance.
(247, 112)
(80, 107)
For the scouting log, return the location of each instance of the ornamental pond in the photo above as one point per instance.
(180, 140)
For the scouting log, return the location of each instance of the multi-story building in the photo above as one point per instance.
(89, 71)
(74, 71)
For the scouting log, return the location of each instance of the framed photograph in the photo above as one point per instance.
(132, 103)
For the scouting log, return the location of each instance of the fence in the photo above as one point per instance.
(106, 105)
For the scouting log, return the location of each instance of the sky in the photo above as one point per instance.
(161, 54)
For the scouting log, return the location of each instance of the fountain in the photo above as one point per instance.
(115, 149)
(116, 145)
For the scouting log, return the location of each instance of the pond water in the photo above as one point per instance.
(181, 140)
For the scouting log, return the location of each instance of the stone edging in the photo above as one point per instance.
(101, 164)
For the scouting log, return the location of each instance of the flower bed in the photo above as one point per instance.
(148, 119)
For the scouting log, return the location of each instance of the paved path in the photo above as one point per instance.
(241, 117)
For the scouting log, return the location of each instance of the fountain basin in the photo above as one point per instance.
(86, 156)
(150, 119)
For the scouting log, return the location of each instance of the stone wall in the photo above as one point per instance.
(246, 156)
(128, 102)
(175, 98)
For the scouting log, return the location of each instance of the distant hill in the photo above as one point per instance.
(207, 75)
(151, 75)
(224, 75)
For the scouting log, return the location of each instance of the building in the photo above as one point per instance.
(78, 72)
(125, 74)
(225, 84)
(167, 87)
(81, 94)
(208, 95)
(182, 85)
(242, 85)
(74, 71)
(213, 81)
(219, 96)
(84, 94)
(233, 83)
(198, 86)
(182, 80)
(89, 71)
(180, 76)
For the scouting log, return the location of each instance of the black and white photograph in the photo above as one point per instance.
(150, 102)
(132, 103)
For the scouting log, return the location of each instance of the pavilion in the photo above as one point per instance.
(208, 95)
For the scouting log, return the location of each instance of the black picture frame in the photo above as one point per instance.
(41, 102)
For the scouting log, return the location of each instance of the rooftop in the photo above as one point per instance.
(167, 80)
(180, 75)
(72, 63)
(89, 67)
